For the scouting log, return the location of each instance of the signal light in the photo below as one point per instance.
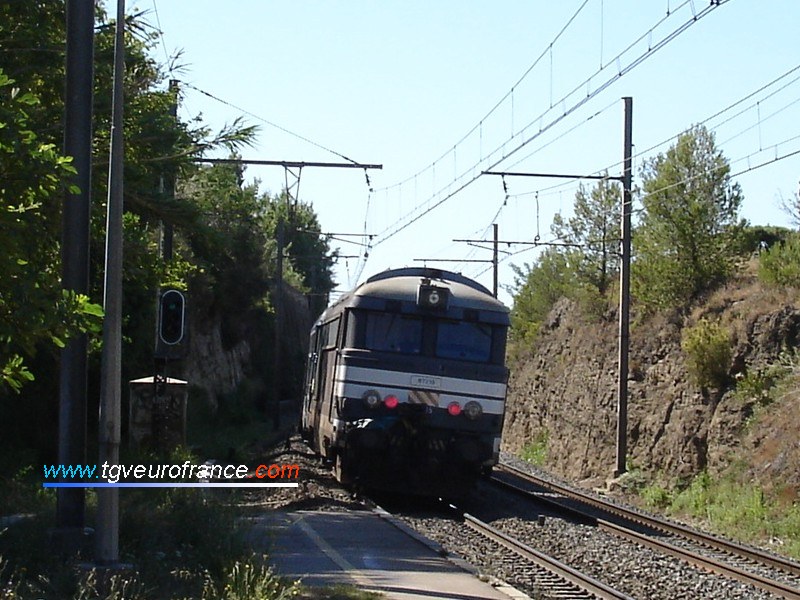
(371, 398)
(171, 317)
(473, 409)
(391, 402)
(454, 409)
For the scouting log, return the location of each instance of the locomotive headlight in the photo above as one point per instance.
(431, 297)
(473, 410)
(371, 398)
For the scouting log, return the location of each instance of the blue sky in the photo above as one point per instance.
(411, 85)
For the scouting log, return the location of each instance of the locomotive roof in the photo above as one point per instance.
(402, 284)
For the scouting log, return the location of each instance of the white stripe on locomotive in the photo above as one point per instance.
(353, 382)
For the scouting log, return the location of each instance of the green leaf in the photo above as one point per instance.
(95, 310)
(15, 373)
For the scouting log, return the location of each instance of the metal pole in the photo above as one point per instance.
(277, 375)
(494, 260)
(75, 252)
(624, 294)
(111, 366)
(169, 182)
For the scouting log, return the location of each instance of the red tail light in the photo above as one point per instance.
(454, 408)
(391, 401)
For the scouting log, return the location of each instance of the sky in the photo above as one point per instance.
(438, 92)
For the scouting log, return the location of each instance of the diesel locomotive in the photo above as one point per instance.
(405, 382)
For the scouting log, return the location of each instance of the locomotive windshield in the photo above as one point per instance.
(389, 332)
(464, 341)
(436, 337)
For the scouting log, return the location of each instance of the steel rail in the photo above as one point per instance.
(754, 554)
(574, 577)
(704, 562)
(661, 525)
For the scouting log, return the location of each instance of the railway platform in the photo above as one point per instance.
(370, 550)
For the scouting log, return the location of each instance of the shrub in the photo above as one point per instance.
(750, 238)
(740, 510)
(767, 383)
(656, 496)
(780, 265)
(535, 452)
(757, 385)
(707, 347)
(251, 580)
(95, 586)
(695, 499)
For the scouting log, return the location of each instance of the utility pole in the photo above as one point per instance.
(624, 277)
(107, 552)
(495, 262)
(624, 293)
(70, 504)
(169, 182)
(277, 378)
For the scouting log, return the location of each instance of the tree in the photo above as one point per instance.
(33, 54)
(33, 307)
(235, 239)
(309, 252)
(685, 243)
(157, 146)
(792, 208)
(537, 289)
(228, 240)
(595, 228)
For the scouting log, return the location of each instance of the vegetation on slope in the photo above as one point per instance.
(689, 247)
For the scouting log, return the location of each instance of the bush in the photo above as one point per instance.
(751, 237)
(707, 347)
(780, 265)
(757, 385)
(656, 496)
(251, 580)
(535, 452)
(694, 500)
(96, 586)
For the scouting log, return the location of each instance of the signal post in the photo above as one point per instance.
(168, 403)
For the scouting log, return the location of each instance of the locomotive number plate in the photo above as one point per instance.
(426, 382)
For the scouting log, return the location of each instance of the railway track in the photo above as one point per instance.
(748, 565)
(549, 577)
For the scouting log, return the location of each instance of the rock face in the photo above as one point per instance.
(218, 365)
(565, 389)
(211, 365)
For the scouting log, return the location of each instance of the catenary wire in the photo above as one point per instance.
(644, 153)
(448, 191)
(267, 122)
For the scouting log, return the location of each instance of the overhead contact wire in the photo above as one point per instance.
(411, 218)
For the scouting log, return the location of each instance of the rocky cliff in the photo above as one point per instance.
(222, 354)
(564, 390)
